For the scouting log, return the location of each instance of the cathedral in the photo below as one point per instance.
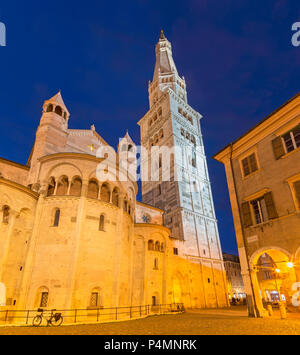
(70, 240)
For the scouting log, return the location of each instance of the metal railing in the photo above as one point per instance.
(92, 315)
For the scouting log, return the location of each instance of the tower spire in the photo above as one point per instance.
(165, 72)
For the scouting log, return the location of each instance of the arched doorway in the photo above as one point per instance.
(274, 273)
(177, 289)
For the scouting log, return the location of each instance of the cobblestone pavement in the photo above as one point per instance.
(200, 322)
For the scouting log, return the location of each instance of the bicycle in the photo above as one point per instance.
(55, 319)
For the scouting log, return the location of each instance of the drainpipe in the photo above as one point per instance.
(257, 313)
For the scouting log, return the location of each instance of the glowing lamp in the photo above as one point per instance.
(290, 265)
(278, 271)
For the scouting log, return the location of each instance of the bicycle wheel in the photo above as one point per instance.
(37, 321)
(56, 322)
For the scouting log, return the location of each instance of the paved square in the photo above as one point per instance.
(196, 322)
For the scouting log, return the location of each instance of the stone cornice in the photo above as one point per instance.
(17, 165)
(155, 226)
(184, 104)
(183, 122)
(19, 187)
(153, 108)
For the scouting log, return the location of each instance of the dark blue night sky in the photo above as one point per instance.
(236, 56)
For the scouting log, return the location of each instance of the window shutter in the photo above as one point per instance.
(297, 191)
(278, 148)
(272, 212)
(246, 167)
(246, 212)
(253, 162)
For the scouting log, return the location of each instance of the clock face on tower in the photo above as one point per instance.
(146, 218)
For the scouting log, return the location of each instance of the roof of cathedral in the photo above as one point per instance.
(149, 206)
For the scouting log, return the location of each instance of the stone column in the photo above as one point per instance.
(255, 304)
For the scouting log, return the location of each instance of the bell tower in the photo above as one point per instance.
(172, 125)
(51, 135)
(165, 73)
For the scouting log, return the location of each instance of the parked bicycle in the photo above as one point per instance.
(54, 320)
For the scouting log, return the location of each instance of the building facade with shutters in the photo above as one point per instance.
(263, 175)
(71, 240)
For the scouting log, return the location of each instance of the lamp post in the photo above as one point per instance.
(289, 265)
(282, 307)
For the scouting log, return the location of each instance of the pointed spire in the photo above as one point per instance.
(164, 59)
(58, 100)
(127, 141)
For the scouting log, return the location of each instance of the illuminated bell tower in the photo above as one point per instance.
(186, 197)
(51, 135)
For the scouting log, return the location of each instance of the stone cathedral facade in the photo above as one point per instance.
(69, 240)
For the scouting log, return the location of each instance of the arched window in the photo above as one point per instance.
(50, 108)
(6, 212)
(161, 134)
(162, 247)
(76, 187)
(102, 223)
(44, 299)
(56, 218)
(58, 110)
(93, 189)
(156, 264)
(157, 246)
(194, 160)
(130, 148)
(115, 197)
(154, 301)
(105, 193)
(95, 300)
(62, 187)
(51, 187)
(125, 207)
(150, 245)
